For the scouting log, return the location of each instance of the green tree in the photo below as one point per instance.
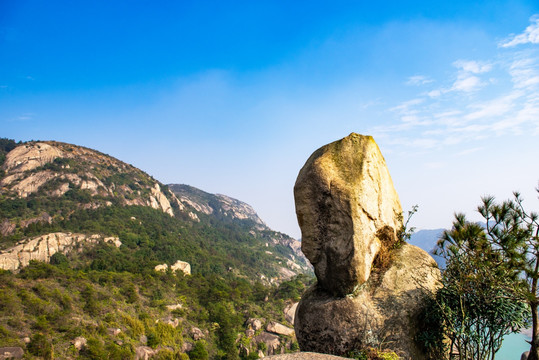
(480, 301)
(515, 231)
(199, 351)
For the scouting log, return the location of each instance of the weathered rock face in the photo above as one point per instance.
(346, 206)
(349, 213)
(59, 167)
(41, 248)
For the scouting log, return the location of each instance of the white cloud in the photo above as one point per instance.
(493, 108)
(418, 80)
(530, 35)
(434, 93)
(467, 79)
(524, 73)
(466, 83)
(405, 107)
(472, 66)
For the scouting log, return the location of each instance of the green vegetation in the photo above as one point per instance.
(480, 301)
(489, 283)
(112, 297)
(57, 304)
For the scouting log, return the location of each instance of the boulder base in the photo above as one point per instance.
(382, 313)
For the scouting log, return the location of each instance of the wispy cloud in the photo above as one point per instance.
(467, 75)
(481, 99)
(472, 66)
(418, 80)
(23, 117)
(530, 35)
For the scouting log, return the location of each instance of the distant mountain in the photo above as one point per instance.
(217, 205)
(222, 208)
(426, 240)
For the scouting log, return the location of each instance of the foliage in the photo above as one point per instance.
(373, 354)
(515, 232)
(404, 233)
(96, 288)
(199, 351)
(480, 300)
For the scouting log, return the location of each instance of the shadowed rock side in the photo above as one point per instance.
(349, 214)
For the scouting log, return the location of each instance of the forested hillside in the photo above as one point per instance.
(108, 295)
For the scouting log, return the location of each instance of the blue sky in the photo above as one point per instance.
(232, 97)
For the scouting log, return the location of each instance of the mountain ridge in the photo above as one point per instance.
(46, 185)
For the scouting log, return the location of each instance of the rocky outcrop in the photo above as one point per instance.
(279, 329)
(217, 204)
(59, 168)
(179, 265)
(290, 312)
(182, 266)
(158, 200)
(41, 248)
(349, 214)
(346, 207)
(11, 352)
(30, 156)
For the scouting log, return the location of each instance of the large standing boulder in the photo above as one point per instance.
(347, 208)
(371, 288)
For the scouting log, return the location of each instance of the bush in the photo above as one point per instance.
(199, 351)
(40, 345)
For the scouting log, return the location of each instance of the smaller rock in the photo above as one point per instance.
(280, 329)
(143, 339)
(144, 353)
(79, 342)
(290, 312)
(196, 333)
(173, 322)
(114, 331)
(183, 266)
(11, 352)
(162, 267)
(174, 307)
(26, 340)
(255, 324)
(272, 341)
(249, 333)
(187, 346)
(261, 354)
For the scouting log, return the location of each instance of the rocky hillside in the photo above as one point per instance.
(52, 187)
(58, 179)
(89, 251)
